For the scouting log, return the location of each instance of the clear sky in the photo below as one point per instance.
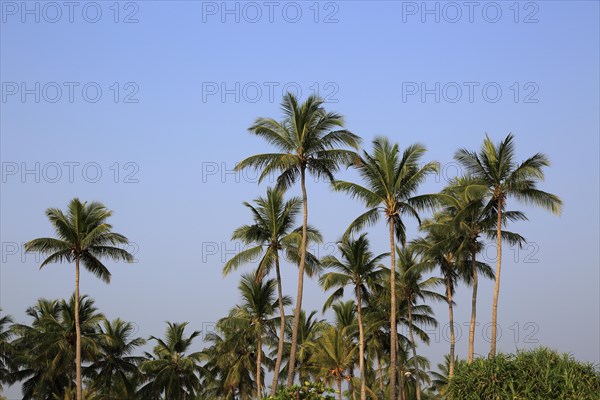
(145, 106)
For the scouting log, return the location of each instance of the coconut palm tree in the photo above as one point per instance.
(5, 349)
(171, 371)
(505, 178)
(272, 231)
(465, 217)
(115, 369)
(392, 179)
(45, 350)
(308, 139)
(331, 358)
(361, 269)
(256, 313)
(83, 235)
(412, 286)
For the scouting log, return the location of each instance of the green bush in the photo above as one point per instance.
(308, 391)
(529, 375)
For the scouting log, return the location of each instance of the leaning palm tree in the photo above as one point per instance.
(308, 139)
(496, 165)
(392, 179)
(83, 235)
(271, 233)
(115, 370)
(171, 371)
(361, 269)
(412, 287)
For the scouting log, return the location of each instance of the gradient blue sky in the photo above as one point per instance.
(181, 141)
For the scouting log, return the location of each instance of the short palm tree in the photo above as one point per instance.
(256, 313)
(308, 139)
(412, 287)
(392, 179)
(83, 235)
(497, 167)
(115, 368)
(171, 371)
(271, 233)
(359, 268)
(331, 358)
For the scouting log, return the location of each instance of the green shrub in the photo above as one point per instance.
(308, 391)
(529, 375)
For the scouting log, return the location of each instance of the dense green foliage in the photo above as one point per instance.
(539, 374)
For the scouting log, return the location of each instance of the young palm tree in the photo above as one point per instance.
(331, 357)
(83, 235)
(504, 177)
(412, 286)
(361, 269)
(307, 140)
(392, 180)
(115, 368)
(171, 371)
(272, 231)
(256, 312)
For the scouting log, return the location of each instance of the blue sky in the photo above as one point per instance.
(149, 115)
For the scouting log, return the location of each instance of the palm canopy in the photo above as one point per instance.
(82, 234)
(272, 231)
(411, 283)
(496, 166)
(308, 138)
(359, 267)
(392, 179)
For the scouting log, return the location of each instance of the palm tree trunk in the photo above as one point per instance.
(497, 285)
(361, 346)
(294, 344)
(451, 320)
(281, 327)
(339, 384)
(414, 349)
(393, 331)
(77, 334)
(473, 308)
(258, 365)
(401, 383)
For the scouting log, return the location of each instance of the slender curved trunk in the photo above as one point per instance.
(414, 349)
(77, 334)
(451, 320)
(497, 285)
(473, 308)
(294, 344)
(361, 346)
(281, 327)
(380, 375)
(339, 385)
(258, 365)
(393, 328)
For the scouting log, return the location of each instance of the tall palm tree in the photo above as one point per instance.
(308, 139)
(115, 368)
(497, 167)
(256, 312)
(361, 269)
(331, 357)
(45, 350)
(272, 231)
(171, 371)
(392, 180)
(412, 286)
(83, 235)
